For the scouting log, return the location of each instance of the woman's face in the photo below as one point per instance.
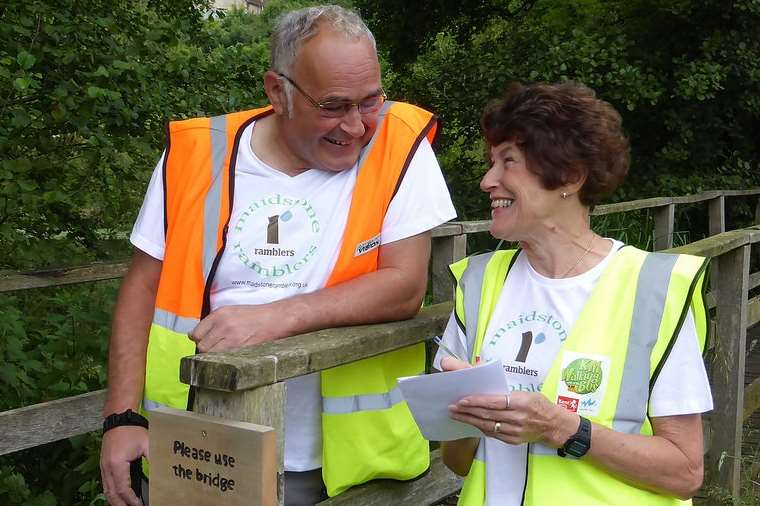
(520, 204)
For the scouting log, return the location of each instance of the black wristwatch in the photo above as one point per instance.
(579, 443)
(127, 417)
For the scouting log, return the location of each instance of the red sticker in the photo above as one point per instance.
(569, 403)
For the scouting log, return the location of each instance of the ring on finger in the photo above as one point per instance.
(507, 396)
(496, 427)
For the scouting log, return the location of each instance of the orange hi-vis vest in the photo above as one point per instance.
(367, 429)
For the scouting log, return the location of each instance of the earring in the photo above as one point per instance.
(564, 195)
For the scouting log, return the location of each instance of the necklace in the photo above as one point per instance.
(578, 262)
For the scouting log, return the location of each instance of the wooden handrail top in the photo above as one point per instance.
(718, 244)
(272, 362)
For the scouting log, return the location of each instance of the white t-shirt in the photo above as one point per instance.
(541, 317)
(284, 239)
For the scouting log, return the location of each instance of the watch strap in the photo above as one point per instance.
(125, 418)
(579, 443)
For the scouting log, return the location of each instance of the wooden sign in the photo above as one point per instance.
(200, 460)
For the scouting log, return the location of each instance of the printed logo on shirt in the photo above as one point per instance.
(583, 379)
(276, 236)
(532, 319)
(367, 246)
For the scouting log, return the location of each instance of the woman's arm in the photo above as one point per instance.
(458, 454)
(669, 462)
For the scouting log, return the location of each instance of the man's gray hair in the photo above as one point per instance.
(296, 27)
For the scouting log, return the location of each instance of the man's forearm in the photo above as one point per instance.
(393, 292)
(129, 335)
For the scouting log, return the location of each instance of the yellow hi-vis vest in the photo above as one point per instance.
(632, 318)
(367, 429)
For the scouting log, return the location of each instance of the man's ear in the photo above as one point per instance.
(274, 87)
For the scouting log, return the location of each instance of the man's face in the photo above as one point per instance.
(329, 67)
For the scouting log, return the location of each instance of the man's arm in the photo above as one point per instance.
(126, 374)
(393, 292)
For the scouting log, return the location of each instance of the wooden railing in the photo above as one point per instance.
(248, 384)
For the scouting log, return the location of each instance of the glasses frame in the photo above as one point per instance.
(322, 106)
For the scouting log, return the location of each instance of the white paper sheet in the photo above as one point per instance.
(429, 396)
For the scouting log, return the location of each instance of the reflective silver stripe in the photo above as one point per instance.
(366, 149)
(173, 322)
(149, 405)
(213, 202)
(480, 453)
(648, 308)
(540, 449)
(354, 403)
(471, 284)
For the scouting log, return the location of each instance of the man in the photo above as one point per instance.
(309, 214)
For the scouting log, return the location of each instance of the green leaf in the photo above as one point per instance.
(25, 60)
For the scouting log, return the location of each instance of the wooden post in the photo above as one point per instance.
(264, 405)
(757, 212)
(717, 225)
(717, 210)
(664, 217)
(446, 250)
(724, 458)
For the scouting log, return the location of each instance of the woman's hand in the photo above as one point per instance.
(519, 417)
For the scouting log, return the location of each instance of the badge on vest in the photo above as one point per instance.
(367, 246)
(583, 382)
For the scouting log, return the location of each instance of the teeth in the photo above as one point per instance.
(501, 203)
(336, 142)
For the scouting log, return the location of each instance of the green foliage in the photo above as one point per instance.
(684, 74)
(87, 87)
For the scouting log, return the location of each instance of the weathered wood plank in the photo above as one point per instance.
(298, 355)
(719, 244)
(724, 459)
(446, 250)
(697, 197)
(753, 311)
(447, 229)
(264, 406)
(43, 423)
(472, 227)
(437, 484)
(664, 222)
(717, 215)
(631, 205)
(751, 399)
(740, 193)
(12, 281)
(754, 280)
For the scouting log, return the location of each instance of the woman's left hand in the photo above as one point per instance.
(520, 417)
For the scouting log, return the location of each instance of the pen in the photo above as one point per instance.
(437, 340)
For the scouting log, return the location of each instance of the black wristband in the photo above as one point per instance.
(124, 418)
(579, 443)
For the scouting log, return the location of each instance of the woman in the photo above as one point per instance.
(601, 342)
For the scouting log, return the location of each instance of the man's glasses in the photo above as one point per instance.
(339, 108)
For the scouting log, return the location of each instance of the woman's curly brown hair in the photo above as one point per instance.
(566, 134)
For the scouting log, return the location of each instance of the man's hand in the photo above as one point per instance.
(121, 445)
(245, 325)
(453, 364)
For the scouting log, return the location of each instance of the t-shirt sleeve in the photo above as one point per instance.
(454, 339)
(148, 231)
(682, 387)
(422, 201)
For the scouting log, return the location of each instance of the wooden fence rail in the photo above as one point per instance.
(248, 384)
